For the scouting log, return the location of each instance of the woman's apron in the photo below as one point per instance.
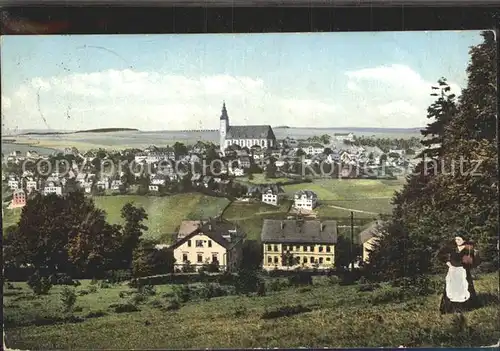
(457, 287)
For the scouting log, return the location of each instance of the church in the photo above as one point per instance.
(244, 136)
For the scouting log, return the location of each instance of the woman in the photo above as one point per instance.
(459, 293)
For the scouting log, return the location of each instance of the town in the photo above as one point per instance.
(253, 166)
(283, 227)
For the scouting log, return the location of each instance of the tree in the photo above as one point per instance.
(180, 150)
(300, 153)
(60, 234)
(251, 255)
(439, 196)
(325, 139)
(271, 168)
(149, 260)
(132, 231)
(441, 112)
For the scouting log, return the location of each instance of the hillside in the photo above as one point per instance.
(332, 316)
(165, 213)
(100, 130)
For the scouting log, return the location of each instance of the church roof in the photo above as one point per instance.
(250, 132)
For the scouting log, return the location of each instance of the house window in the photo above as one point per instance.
(275, 259)
(328, 259)
(214, 258)
(321, 260)
(312, 259)
(305, 248)
(320, 249)
(184, 257)
(305, 259)
(269, 259)
(311, 248)
(328, 249)
(200, 258)
(199, 243)
(210, 243)
(189, 243)
(275, 248)
(269, 248)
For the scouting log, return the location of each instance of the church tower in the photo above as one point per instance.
(224, 126)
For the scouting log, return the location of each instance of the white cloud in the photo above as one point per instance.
(6, 103)
(153, 100)
(399, 96)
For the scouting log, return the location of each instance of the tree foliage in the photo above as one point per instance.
(444, 194)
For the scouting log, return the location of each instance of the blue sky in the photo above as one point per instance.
(158, 82)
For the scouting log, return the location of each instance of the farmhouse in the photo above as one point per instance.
(216, 242)
(31, 184)
(289, 244)
(343, 136)
(13, 183)
(368, 237)
(271, 194)
(305, 199)
(18, 198)
(244, 136)
(52, 186)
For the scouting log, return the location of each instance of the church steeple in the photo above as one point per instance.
(224, 115)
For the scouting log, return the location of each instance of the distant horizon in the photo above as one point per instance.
(360, 129)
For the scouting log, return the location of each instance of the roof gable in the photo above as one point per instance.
(299, 231)
(250, 132)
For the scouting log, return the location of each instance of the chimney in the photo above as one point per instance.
(210, 226)
(322, 225)
(282, 225)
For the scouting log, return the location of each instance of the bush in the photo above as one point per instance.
(138, 298)
(333, 279)
(92, 289)
(118, 276)
(240, 311)
(83, 292)
(419, 285)
(285, 311)
(300, 278)
(104, 284)
(156, 304)
(148, 290)
(124, 308)
(95, 314)
(278, 285)
(63, 279)
(68, 298)
(261, 289)
(39, 285)
(173, 305)
(182, 293)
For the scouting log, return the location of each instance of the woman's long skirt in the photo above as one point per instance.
(454, 300)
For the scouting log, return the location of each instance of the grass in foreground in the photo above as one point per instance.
(338, 316)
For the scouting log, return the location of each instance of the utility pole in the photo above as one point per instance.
(351, 258)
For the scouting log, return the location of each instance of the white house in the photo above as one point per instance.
(52, 187)
(116, 184)
(343, 136)
(313, 149)
(31, 185)
(103, 184)
(153, 187)
(271, 196)
(13, 183)
(305, 199)
(213, 242)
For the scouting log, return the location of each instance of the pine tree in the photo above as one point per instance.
(441, 112)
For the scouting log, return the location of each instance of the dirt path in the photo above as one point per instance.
(352, 210)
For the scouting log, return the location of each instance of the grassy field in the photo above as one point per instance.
(349, 189)
(260, 178)
(10, 217)
(165, 213)
(250, 216)
(338, 316)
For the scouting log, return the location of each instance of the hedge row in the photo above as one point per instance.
(183, 278)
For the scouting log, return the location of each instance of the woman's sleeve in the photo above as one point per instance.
(444, 254)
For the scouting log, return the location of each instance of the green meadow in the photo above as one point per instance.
(328, 315)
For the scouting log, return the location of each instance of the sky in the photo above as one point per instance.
(175, 82)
